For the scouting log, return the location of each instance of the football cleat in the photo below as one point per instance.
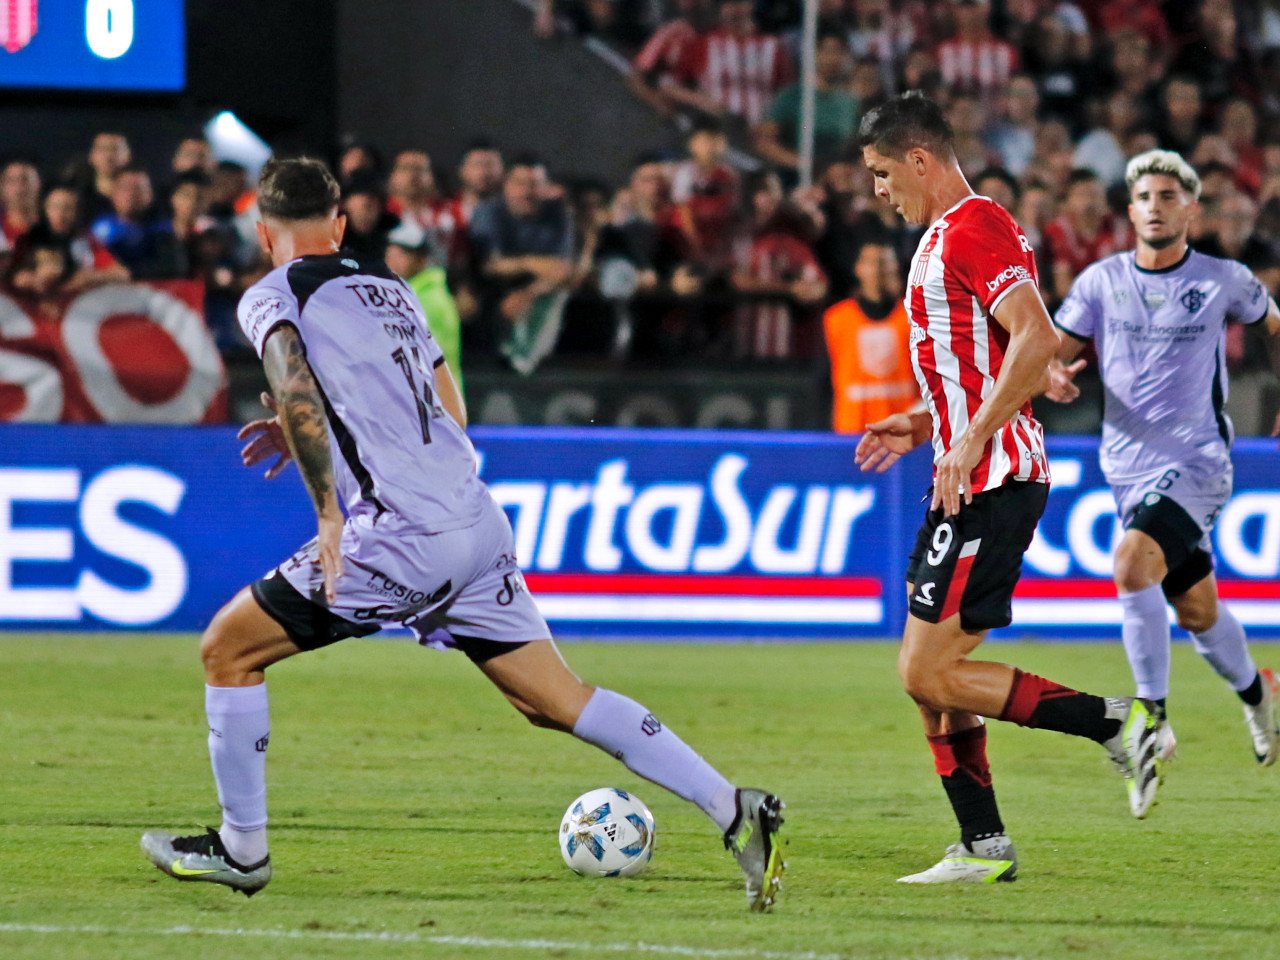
(1134, 749)
(204, 858)
(1264, 726)
(1166, 743)
(753, 838)
(998, 863)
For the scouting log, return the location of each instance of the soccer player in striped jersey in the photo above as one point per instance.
(981, 342)
(1158, 318)
(369, 410)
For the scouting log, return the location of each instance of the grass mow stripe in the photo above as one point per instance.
(496, 943)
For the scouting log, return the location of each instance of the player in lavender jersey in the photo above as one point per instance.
(1157, 317)
(368, 408)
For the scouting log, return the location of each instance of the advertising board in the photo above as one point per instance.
(621, 533)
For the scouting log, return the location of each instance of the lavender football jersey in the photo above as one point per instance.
(1160, 336)
(395, 449)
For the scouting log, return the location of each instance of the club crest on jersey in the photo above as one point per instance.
(919, 270)
(1193, 299)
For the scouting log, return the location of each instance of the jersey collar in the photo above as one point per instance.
(1169, 269)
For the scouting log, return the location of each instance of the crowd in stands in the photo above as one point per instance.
(696, 259)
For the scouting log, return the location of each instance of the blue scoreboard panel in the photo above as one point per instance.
(93, 44)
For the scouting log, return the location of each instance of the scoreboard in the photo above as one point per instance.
(93, 44)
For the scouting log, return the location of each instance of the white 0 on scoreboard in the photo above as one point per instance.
(93, 44)
(108, 27)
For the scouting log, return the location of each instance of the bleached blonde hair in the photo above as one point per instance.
(1164, 163)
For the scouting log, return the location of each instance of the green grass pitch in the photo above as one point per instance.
(414, 813)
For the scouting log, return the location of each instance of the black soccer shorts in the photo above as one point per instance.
(970, 563)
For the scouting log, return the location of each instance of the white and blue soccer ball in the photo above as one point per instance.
(607, 833)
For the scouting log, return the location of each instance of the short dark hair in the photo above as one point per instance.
(908, 121)
(1004, 176)
(706, 123)
(1081, 175)
(297, 189)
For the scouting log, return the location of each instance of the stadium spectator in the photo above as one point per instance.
(866, 338)
(193, 153)
(734, 70)
(1102, 148)
(1236, 239)
(1238, 127)
(1085, 232)
(357, 155)
(480, 174)
(189, 201)
(523, 245)
(368, 220)
(1214, 58)
(1181, 118)
(656, 67)
(108, 155)
(1013, 133)
(133, 234)
(1059, 75)
(973, 60)
(56, 256)
(704, 190)
(1132, 69)
(1001, 186)
(1144, 16)
(415, 195)
(409, 254)
(779, 267)
(882, 33)
(19, 200)
(835, 114)
(967, 116)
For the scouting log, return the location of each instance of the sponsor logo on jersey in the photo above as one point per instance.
(650, 725)
(1193, 299)
(1121, 297)
(1154, 301)
(261, 744)
(924, 594)
(1009, 273)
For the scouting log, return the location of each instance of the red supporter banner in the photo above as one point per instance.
(122, 353)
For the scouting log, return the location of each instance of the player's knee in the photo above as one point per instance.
(921, 680)
(1133, 572)
(216, 653)
(1197, 617)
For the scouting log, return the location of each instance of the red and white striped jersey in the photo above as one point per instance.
(740, 73)
(967, 262)
(980, 67)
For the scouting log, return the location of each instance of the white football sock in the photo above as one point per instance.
(627, 730)
(1225, 647)
(1145, 630)
(239, 727)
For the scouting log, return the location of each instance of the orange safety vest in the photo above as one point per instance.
(870, 365)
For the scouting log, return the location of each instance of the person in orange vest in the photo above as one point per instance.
(867, 341)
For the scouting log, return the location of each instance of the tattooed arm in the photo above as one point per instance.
(300, 411)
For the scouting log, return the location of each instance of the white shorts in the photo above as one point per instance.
(1200, 489)
(457, 584)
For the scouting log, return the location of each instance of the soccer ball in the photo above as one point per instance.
(607, 833)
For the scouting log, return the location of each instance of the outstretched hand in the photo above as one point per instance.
(269, 442)
(884, 442)
(1062, 388)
